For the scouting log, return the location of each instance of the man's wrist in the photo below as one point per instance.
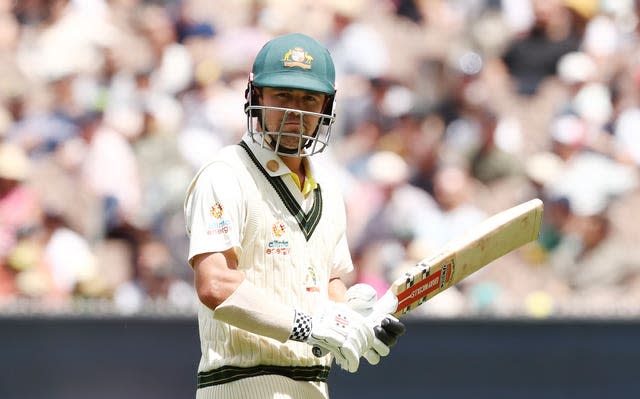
(302, 326)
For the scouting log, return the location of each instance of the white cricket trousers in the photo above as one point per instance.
(265, 387)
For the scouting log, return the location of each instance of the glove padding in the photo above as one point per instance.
(338, 329)
(386, 327)
(386, 335)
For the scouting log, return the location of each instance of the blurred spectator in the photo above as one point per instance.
(627, 145)
(541, 169)
(533, 54)
(495, 160)
(589, 255)
(110, 170)
(455, 212)
(69, 260)
(20, 212)
(589, 180)
(154, 280)
(387, 223)
(452, 110)
(357, 47)
(594, 259)
(568, 136)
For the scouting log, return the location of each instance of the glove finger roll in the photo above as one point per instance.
(372, 357)
(384, 336)
(351, 358)
(393, 325)
(380, 347)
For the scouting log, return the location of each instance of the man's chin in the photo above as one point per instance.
(290, 149)
(285, 148)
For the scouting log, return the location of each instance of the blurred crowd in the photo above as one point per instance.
(448, 111)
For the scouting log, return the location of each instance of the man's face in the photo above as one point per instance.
(292, 122)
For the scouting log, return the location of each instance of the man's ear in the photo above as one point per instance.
(253, 95)
(327, 108)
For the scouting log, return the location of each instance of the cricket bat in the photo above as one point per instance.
(491, 239)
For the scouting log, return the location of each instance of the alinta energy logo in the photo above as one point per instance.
(279, 245)
(218, 225)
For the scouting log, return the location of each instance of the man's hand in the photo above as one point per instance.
(337, 329)
(387, 328)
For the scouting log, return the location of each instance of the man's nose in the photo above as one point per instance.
(293, 113)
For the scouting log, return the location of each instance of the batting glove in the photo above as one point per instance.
(387, 328)
(338, 329)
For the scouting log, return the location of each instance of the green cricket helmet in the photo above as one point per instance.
(292, 61)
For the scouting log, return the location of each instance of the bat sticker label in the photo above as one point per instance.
(418, 292)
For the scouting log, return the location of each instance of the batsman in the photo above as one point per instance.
(268, 247)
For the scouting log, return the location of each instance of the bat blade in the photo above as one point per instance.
(493, 238)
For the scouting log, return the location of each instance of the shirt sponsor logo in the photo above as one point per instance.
(218, 225)
(279, 245)
(221, 227)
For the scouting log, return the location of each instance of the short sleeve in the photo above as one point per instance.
(342, 262)
(214, 210)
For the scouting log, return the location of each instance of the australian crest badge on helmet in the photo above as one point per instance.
(297, 57)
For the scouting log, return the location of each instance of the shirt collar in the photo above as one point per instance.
(269, 160)
(274, 166)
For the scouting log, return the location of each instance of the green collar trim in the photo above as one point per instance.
(307, 221)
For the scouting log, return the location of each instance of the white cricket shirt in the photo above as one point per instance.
(287, 244)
